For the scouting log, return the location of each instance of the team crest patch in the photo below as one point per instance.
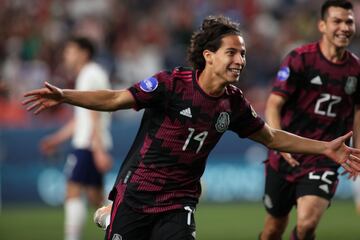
(117, 237)
(283, 74)
(222, 122)
(149, 84)
(351, 84)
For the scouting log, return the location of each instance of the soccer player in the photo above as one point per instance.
(187, 110)
(316, 94)
(91, 139)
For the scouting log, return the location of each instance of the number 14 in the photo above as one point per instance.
(199, 137)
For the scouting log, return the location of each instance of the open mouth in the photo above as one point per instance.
(235, 71)
(342, 37)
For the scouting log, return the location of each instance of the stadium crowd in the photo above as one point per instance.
(136, 38)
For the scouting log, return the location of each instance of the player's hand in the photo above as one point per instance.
(102, 216)
(289, 159)
(347, 157)
(43, 98)
(103, 160)
(351, 176)
(48, 145)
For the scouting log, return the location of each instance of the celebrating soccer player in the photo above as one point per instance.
(316, 94)
(187, 110)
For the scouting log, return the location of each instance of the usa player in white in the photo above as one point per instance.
(91, 140)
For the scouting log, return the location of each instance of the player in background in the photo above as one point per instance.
(187, 110)
(90, 136)
(316, 94)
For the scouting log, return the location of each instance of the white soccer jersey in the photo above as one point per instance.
(91, 77)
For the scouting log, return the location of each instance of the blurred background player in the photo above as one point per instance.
(316, 95)
(187, 111)
(91, 139)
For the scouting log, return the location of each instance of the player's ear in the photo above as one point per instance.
(208, 56)
(321, 26)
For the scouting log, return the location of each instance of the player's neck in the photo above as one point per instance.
(210, 84)
(79, 66)
(331, 52)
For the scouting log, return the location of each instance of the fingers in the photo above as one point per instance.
(40, 109)
(290, 160)
(38, 105)
(351, 176)
(347, 168)
(355, 151)
(351, 166)
(293, 162)
(49, 86)
(354, 162)
(347, 136)
(36, 92)
(29, 100)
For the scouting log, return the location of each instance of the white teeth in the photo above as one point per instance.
(234, 70)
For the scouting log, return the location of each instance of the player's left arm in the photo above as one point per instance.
(356, 127)
(102, 158)
(336, 150)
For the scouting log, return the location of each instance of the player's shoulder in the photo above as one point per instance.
(354, 58)
(182, 73)
(233, 90)
(176, 72)
(308, 48)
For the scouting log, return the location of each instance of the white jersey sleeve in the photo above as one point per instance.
(91, 77)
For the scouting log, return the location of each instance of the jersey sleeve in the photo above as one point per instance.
(289, 75)
(245, 120)
(152, 92)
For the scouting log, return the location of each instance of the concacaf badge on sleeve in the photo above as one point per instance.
(283, 74)
(149, 84)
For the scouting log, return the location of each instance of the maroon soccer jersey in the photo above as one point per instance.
(180, 126)
(320, 102)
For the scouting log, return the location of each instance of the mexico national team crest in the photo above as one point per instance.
(351, 84)
(222, 122)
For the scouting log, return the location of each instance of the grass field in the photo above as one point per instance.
(236, 221)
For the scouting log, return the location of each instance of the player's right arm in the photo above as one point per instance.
(49, 144)
(274, 105)
(99, 100)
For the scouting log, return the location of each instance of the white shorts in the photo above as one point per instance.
(356, 190)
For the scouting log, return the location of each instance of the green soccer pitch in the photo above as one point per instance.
(235, 221)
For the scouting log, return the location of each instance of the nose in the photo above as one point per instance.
(240, 59)
(345, 26)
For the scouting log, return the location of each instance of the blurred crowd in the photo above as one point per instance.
(135, 39)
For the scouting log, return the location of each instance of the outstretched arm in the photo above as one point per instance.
(100, 100)
(348, 157)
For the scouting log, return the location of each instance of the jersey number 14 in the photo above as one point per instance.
(198, 137)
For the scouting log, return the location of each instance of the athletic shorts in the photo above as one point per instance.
(281, 195)
(80, 168)
(131, 225)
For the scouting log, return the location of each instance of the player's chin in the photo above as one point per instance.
(233, 78)
(342, 43)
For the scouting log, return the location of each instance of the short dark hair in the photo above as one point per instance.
(85, 44)
(334, 3)
(209, 37)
